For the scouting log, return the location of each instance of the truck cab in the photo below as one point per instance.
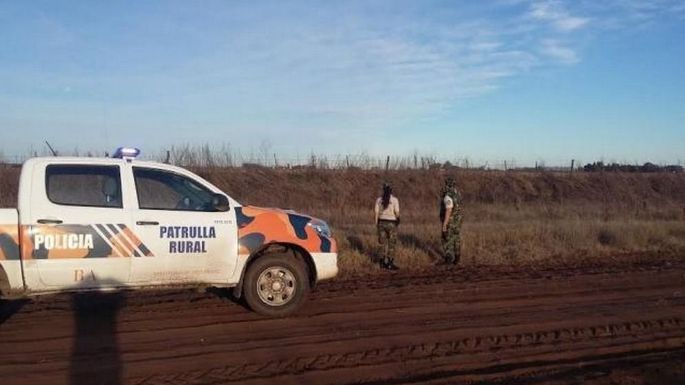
(91, 224)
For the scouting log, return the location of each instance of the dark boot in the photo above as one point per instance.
(391, 265)
(447, 260)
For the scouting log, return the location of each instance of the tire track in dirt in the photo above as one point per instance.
(460, 326)
(622, 335)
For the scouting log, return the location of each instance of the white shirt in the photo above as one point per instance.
(390, 213)
(449, 203)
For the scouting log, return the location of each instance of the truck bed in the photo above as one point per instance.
(10, 263)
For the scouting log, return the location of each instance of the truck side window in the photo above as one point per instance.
(163, 190)
(83, 185)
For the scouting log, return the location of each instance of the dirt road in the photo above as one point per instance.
(593, 325)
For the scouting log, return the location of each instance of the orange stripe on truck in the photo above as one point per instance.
(9, 242)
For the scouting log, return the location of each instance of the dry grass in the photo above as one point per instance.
(511, 218)
(527, 236)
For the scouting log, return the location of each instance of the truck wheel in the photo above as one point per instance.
(275, 285)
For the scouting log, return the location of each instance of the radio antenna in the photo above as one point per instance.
(54, 153)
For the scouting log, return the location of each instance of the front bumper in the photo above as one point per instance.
(326, 265)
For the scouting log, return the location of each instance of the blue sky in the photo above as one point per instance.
(522, 80)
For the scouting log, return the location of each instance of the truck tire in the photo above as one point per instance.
(275, 285)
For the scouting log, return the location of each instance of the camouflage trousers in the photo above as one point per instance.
(387, 239)
(451, 241)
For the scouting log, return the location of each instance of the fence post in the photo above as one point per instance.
(573, 161)
(387, 163)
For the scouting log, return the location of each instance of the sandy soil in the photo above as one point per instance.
(594, 326)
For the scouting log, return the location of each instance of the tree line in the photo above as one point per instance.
(647, 167)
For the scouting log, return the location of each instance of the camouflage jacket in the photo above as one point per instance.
(456, 198)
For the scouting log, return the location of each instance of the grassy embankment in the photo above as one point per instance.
(511, 218)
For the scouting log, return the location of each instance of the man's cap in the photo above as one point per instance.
(450, 181)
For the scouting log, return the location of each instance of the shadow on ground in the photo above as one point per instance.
(357, 245)
(95, 354)
(411, 240)
(10, 307)
(226, 294)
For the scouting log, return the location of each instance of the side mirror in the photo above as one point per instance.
(220, 202)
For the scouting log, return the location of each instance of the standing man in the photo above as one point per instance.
(451, 216)
(387, 210)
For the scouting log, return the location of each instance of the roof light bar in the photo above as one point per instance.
(128, 153)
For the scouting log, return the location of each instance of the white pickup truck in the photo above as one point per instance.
(94, 224)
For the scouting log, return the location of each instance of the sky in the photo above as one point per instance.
(517, 80)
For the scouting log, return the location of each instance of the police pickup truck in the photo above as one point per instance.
(94, 224)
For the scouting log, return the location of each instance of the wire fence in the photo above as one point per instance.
(207, 157)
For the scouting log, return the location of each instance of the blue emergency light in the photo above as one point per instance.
(126, 153)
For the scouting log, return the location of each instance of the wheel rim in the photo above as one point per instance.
(276, 286)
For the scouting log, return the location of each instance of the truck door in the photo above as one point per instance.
(76, 227)
(188, 239)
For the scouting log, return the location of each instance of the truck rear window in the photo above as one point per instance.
(81, 185)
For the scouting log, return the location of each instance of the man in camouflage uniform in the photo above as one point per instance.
(451, 216)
